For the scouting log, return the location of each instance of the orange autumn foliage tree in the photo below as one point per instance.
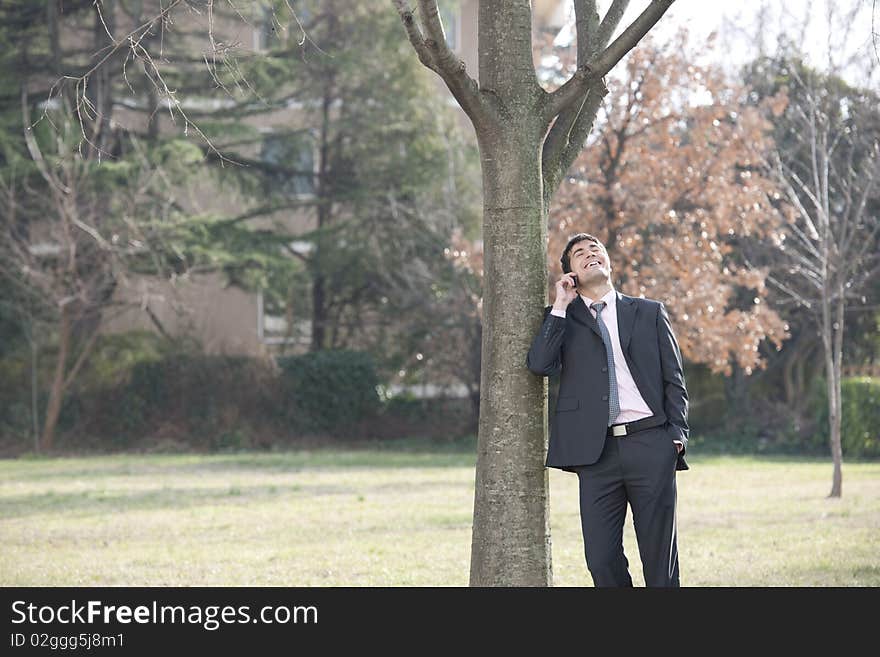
(671, 186)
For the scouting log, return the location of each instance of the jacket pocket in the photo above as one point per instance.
(567, 404)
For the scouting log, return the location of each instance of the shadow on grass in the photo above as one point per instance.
(404, 453)
(867, 575)
(92, 502)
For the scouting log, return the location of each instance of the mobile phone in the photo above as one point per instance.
(574, 277)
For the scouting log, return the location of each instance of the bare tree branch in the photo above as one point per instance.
(566, 138)
(415, 35)
(436, 55)
(611, 21)
(871, 177)
(574, 119)
(597, 67)
(587, 24)
(875, 31)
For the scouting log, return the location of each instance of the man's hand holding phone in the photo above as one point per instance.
(566, 291)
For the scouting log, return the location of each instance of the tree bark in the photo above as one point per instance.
(56, 391)
(511, 533)
(837, 416)
(318, 276)
(35, 406)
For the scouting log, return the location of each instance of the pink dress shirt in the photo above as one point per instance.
(632, 405)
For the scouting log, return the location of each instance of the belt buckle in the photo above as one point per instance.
(618, 430)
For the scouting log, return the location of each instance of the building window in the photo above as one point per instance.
(284, 304)
(275, 325)
(294, 153)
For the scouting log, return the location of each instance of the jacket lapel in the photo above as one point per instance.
(580, 313)
(626, 315)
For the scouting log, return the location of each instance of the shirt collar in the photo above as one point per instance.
(610, 299)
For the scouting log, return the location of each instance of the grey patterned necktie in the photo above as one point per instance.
(613, 401)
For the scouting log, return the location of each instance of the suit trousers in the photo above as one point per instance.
(638, 469)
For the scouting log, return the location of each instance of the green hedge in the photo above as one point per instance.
(329, 391)
(141, 391)
(106, 371)
(860, 417)
(208, 399)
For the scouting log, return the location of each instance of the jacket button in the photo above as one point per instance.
(604, 397)
(604, 369)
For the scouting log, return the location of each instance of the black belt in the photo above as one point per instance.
(621, 430)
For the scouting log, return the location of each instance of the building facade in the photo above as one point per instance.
(227, 319)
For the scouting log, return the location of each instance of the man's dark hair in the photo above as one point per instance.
(566, 253)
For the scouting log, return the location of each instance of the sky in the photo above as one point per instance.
(746, 27)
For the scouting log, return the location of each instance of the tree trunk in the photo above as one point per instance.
(511, 533)
(35, 406)
(56, 392)
(832, 386)
(836, 417)
(319, 317)
(319, 279)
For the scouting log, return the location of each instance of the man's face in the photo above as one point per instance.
(590, 262)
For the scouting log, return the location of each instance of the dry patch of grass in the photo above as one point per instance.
(380, 517)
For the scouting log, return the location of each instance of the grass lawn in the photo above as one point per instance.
(400, 516)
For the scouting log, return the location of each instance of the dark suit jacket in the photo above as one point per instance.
(572, 347)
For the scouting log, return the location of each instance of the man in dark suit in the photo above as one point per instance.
(621, 414)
